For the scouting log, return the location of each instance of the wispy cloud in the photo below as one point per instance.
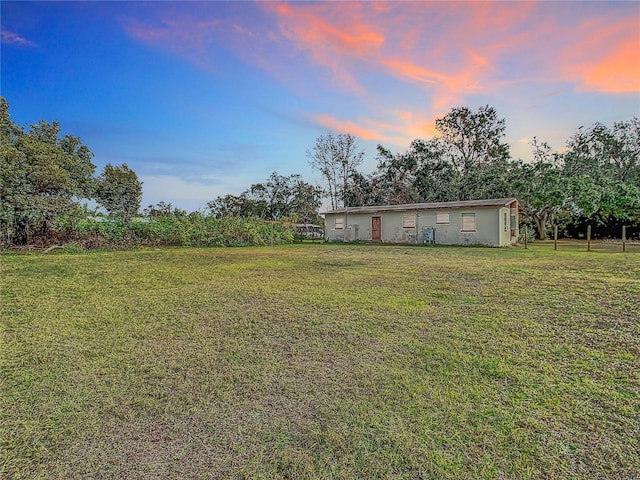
(447, 53)
(333, 37)
(451, 49)
(179, 34)
(607, 59)
(399, 129)
(548, 94)
(12, 38)
(454, 49)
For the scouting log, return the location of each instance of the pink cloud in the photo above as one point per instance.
(181, 35)
(347, 126)
(399, 129)
(332, 38)
(455, 49)
(12, 38)
(607, 57)
(448, 49)
(441, 53)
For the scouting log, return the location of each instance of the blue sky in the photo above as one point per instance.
(202, 99)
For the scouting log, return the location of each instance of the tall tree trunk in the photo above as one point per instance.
(541, 225)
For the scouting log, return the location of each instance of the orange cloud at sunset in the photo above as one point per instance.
(602, 55)
(321, 27)
(617, 72)
(337, 125)
(333, 38)
(452, 49)
(400, 129)
(428, 56)
(447, 49)
(405, 69)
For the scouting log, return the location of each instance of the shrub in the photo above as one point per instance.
(195, 230)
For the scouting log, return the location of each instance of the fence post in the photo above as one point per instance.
(588, 238)
(526, 234)
(624, 238)
(555, 237)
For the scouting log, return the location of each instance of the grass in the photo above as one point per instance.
(321, 362)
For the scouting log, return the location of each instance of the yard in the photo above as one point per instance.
(321, 361)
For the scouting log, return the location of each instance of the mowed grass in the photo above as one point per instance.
(320, 362)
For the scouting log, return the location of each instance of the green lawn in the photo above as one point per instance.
(321, 361)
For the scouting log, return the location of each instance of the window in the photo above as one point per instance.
(408, 221)
(506, 222)
(442, 218)
(339, 223)
(468, 222)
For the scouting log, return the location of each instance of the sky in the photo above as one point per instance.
(203, 99)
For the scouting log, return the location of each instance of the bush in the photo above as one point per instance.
(530, 233)
(195, 230)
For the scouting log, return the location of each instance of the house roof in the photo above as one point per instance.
(492, 202)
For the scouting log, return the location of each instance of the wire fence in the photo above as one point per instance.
(628, 241)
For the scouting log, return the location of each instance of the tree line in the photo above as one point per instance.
(596, 179)
(44, 177)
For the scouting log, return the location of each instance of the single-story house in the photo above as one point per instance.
(492, 222)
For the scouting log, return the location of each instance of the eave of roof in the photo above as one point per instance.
(492, 202)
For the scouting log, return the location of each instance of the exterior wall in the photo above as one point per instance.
(490, 226)
(508, 226)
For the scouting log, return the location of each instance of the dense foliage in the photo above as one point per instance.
(41, 176)
(596, 179)
(194, 229)
(119, 191)
(44, 177)
(279, 198)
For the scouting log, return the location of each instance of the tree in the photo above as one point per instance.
(286, 196)
(474, 144)
(603, 200)
(541, 188)
(279, 197)
(119, 191)
(603, 167)
(235, 206)
(473, 138)
(42, 176)
(276, 194)
(601, 151)
(363, 190)
(336, 157)
(306, 200)
(162, 209)
(435, 179)
(396, 176)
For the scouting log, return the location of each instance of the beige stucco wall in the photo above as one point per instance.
(490, 229)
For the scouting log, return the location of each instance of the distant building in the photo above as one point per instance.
(492, 222)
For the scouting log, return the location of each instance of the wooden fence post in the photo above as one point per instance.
(588, 238)
(555, 237)
(624, 238)
(526, 233)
